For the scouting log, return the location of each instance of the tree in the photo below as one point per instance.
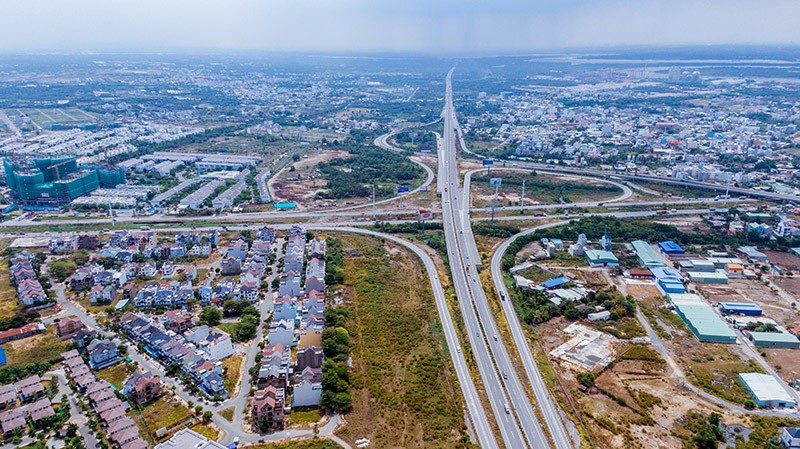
(585, 379)
(210, 315)
(207, 415)
(61, 269)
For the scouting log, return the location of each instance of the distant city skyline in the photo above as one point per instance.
(444, 26)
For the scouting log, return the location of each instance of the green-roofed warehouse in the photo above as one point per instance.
(702, 319)
(648, 256)
(601, 258)
(781, 339)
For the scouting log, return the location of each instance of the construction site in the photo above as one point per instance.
(52, 182)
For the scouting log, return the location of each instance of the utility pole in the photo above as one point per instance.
(522, 203)
(373, 199)
(727, 190)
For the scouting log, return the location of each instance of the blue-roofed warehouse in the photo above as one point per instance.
(670, 247)
(668, 280)
(555, 283)
(740, 308)
(2, 356)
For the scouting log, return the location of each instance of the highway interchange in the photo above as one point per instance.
(520, 421)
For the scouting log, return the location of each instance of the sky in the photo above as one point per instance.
(424, 26)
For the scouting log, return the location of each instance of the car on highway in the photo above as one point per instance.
(508, 409)
(495, 337)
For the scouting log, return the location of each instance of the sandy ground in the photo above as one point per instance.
(742, 290)
(304, 182)
(786, 261)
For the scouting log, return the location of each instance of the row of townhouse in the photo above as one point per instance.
(295, 323)
(30, 291)
(109, 409)
(197, 352)
(14, 417)
(168, 294)
(67, 243)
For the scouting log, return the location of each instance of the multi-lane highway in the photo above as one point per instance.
(513, 411)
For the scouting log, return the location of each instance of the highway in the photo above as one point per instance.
(513, 412)
(546, 403)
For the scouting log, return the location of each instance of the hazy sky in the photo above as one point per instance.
(436, 26)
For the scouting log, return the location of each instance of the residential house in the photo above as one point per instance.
(790, 438)
(68, 327)
(309, 357)
(315, 275)
(238, 250)
(168, 270)
(40, 409)
(267, 409)
(266, 234)
(306, 393)
(11, 420)
(102, 353)
(31, 292)
(8, 396)
(281, 331)
(142, 387)
(30, 388)
(290, 284)
(230, 266)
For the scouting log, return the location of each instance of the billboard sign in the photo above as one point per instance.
(495, 182)
(487, 162)
(425, 214)
(402, 190)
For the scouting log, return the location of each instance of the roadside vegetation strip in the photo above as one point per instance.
(398, 363)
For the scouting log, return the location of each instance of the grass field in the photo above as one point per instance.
(403, 394)
(44, 347)
(44, 117)
(227, 413)
(300, 444)
(206, 430)
(9, 304)
(157, 414)
(541, 188)
(305, 415)
(228, 328)
(233, 372)
(115, 375)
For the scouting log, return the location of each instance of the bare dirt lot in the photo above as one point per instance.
(790, 285)
(302, 184)
(742, 290)
(786, 261)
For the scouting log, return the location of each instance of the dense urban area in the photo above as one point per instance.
(273, 251)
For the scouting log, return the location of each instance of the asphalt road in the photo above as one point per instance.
(546, 405)
(507, 397)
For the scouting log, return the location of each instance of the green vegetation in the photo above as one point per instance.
(536, 274)
(400, 389)
(353, 177)
(61, 269)
(302, 444)
(700, 431)
(210, 315)
(42, 348)
(551, 189)
(494, 230)
(12, 374)
(533, 306)
(227, 413)
(715, 369)
(249, 317)
(334, 264)
(157, 414)
(232, 370)
(336, 381)
(115, 374)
